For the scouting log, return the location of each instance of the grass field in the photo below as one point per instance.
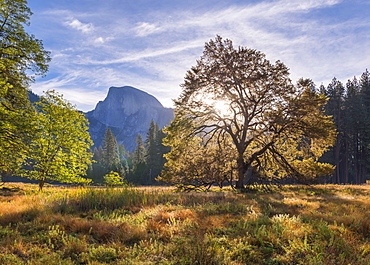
(287, 225)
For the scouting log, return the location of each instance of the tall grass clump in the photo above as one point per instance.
(110, 199)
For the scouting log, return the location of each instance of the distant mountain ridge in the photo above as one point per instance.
(127, 111)
(33, 97)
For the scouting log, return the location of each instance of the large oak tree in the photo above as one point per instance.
(236, 95)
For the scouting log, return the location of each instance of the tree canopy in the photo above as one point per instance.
(236, 96)
(22, 57)
(60, 149)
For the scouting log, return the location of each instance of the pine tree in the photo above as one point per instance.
(350, 110)
(152, 152)
(98, 154)
(139, 173)
(123, 154)
(139, 152)
(111, 155)
(98, 169)
(335, 91)
(351, 119)
(364, 138)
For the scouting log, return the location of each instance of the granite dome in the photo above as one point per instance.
(128, 111)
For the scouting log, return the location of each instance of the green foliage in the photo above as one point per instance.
(237, 99)
(113, 179)
(140, 167)
(22, 57)
(152, 157)
(139, 152)
(111, 155)
(148, 158)
(103, 254)
(60, 149)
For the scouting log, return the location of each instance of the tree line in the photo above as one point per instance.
(140, 167)
(349, 106)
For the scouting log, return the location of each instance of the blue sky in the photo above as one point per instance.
(150, 44)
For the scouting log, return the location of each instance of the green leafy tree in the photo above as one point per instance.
(277, 129)
(22, 57)
(60, 149)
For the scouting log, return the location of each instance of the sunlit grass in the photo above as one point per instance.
(326, 224)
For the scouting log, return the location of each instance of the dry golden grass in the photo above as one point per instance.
(324, 224)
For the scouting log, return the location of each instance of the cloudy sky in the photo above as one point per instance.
(150, 44)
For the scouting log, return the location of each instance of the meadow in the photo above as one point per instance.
(321, 224)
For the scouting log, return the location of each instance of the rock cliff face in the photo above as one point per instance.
(127, 111)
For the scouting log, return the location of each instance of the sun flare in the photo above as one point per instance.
(222, 108)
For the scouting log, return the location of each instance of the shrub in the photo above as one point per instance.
(114, 179)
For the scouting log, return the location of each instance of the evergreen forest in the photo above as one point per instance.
(349, 105)
(139, 167)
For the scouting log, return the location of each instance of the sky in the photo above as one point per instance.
(150, 44)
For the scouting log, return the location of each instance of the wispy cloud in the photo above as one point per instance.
(149, 53)
(102, 40)
(78, 25)
(153, 50)
(144, 29)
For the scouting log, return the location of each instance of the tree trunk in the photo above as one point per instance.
(41, 184)
(357, 168)
(337, 162)
(242, 169)
(346, 158)
(363, 166)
